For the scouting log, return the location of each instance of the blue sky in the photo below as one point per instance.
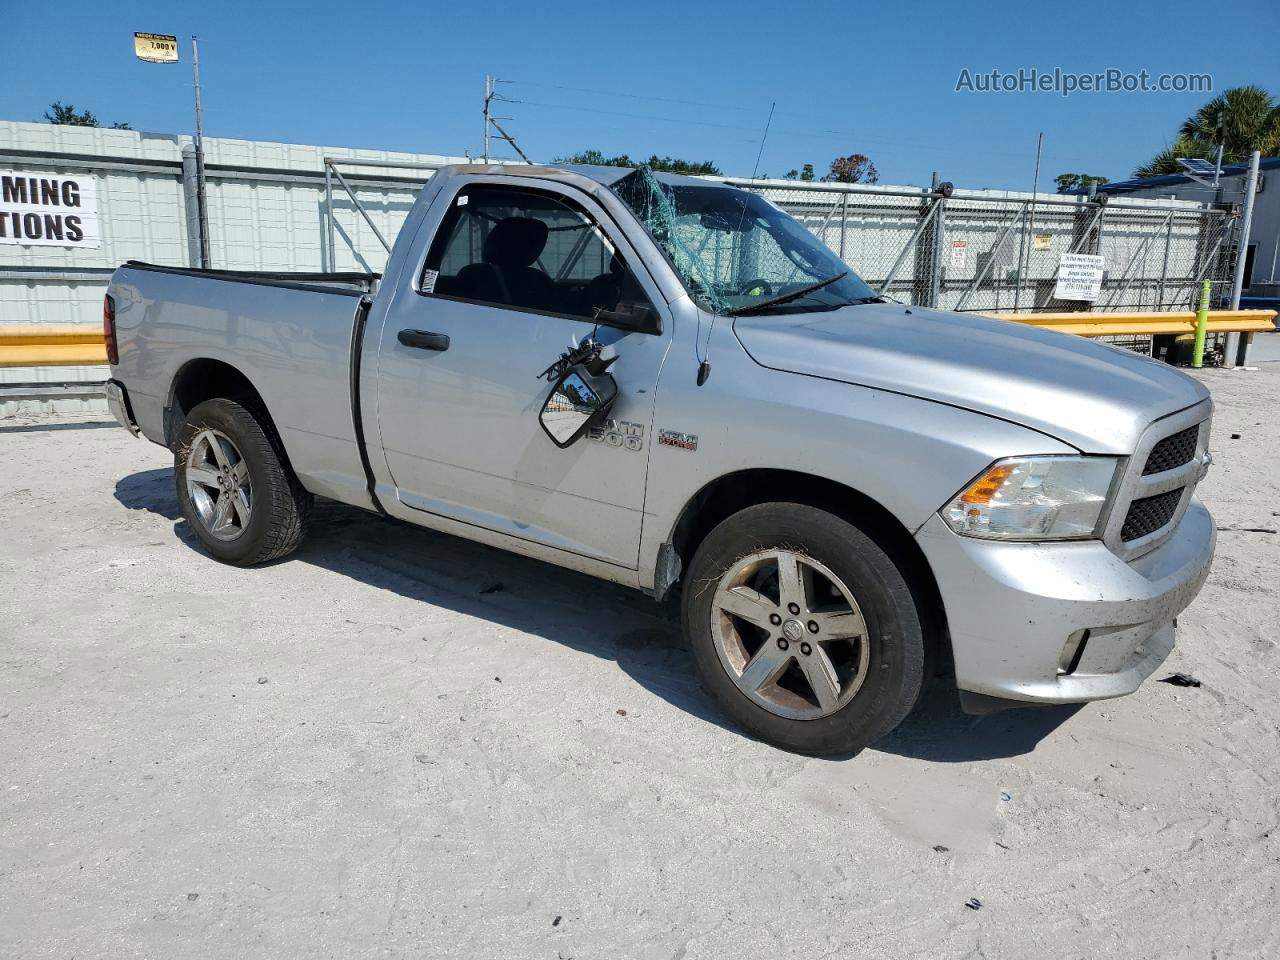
(689, 80)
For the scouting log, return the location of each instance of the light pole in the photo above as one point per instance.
(163, 48)
(201, 205)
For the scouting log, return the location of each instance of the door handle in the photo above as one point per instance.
(424, 339)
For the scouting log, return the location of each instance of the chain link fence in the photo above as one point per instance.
(987, 252)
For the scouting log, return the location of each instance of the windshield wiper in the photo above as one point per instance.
(787, 297)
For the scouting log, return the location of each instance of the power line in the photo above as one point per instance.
(821, 134)
(635, 116)
(846, 136)
(630, 96)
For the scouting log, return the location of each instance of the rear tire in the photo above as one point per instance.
(235, 487)
(803, 629)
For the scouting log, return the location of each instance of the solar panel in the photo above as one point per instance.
(1197, 166)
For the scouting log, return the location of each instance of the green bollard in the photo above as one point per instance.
(1202, 323)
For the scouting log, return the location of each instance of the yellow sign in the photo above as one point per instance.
(1040, 241)
(155, 47)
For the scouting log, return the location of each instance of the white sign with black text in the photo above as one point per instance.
(49, 209)
(1079, 277)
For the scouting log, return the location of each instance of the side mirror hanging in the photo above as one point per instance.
(578, 401)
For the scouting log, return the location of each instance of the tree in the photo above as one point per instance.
(1249, 118)
(65, 114)
(1076, 181)
(655, 162)
(1166, 161)
(855, 168)
(805, 173)
(1242, 119)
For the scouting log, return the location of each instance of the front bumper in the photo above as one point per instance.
(118, 404)
(1016, 610)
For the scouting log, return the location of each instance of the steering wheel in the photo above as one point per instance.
(758, 287)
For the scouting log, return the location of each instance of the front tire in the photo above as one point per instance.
(804, 629)
(235, 487)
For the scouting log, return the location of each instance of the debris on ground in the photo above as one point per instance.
(1181, 680)
(621, 712)
(262, 679)
(494, 587)
(556, 921)
(1249, 529)
(973, 903)
(939, 848)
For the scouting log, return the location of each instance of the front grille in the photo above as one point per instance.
(1149, 514)
(1172, 451)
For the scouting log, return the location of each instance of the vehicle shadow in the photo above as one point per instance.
(939, 731)
(582, 612)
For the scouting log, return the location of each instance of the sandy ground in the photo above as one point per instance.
(359, 751)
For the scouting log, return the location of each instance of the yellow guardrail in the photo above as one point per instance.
(1121, 324)
(51, 345)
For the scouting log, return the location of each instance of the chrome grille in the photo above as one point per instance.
(1149, 514)
(1172, 451)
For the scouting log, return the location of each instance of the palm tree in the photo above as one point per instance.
(1250, 121)
(1166, 161)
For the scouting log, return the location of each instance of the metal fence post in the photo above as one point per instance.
(844, 220)
(1164, 265)
(191, 203)
(939, 233)
(1020, 275)
(330, 259)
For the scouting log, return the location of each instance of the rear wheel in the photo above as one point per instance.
(234, 486)
(804, 629)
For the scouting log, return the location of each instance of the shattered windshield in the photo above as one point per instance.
(736, 252)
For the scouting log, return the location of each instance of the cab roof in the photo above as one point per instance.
(605, 176)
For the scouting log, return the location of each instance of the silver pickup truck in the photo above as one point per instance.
(670, 384)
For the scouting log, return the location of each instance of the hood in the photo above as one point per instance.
(1095, 397)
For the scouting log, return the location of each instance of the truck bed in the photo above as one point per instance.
(289, 334)
(362, 282)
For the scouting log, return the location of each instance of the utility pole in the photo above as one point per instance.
(488, 95)
(1242, 257)
(201, 205)
(491, 94)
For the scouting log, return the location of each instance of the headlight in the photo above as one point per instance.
(1035, 498)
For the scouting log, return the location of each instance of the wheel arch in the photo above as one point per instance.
(726, 495)
(206, 378)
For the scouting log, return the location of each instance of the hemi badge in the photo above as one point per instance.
(672, 438)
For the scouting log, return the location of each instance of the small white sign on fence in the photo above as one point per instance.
(49, 209)
(1079, 277)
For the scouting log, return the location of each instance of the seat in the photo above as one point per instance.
(603, 292)
(505, 273)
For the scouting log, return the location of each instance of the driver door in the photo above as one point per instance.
(511, 278)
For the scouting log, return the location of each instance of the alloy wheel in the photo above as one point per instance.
(218, 485)
(790, 634)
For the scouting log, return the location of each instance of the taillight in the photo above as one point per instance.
(109, 329)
